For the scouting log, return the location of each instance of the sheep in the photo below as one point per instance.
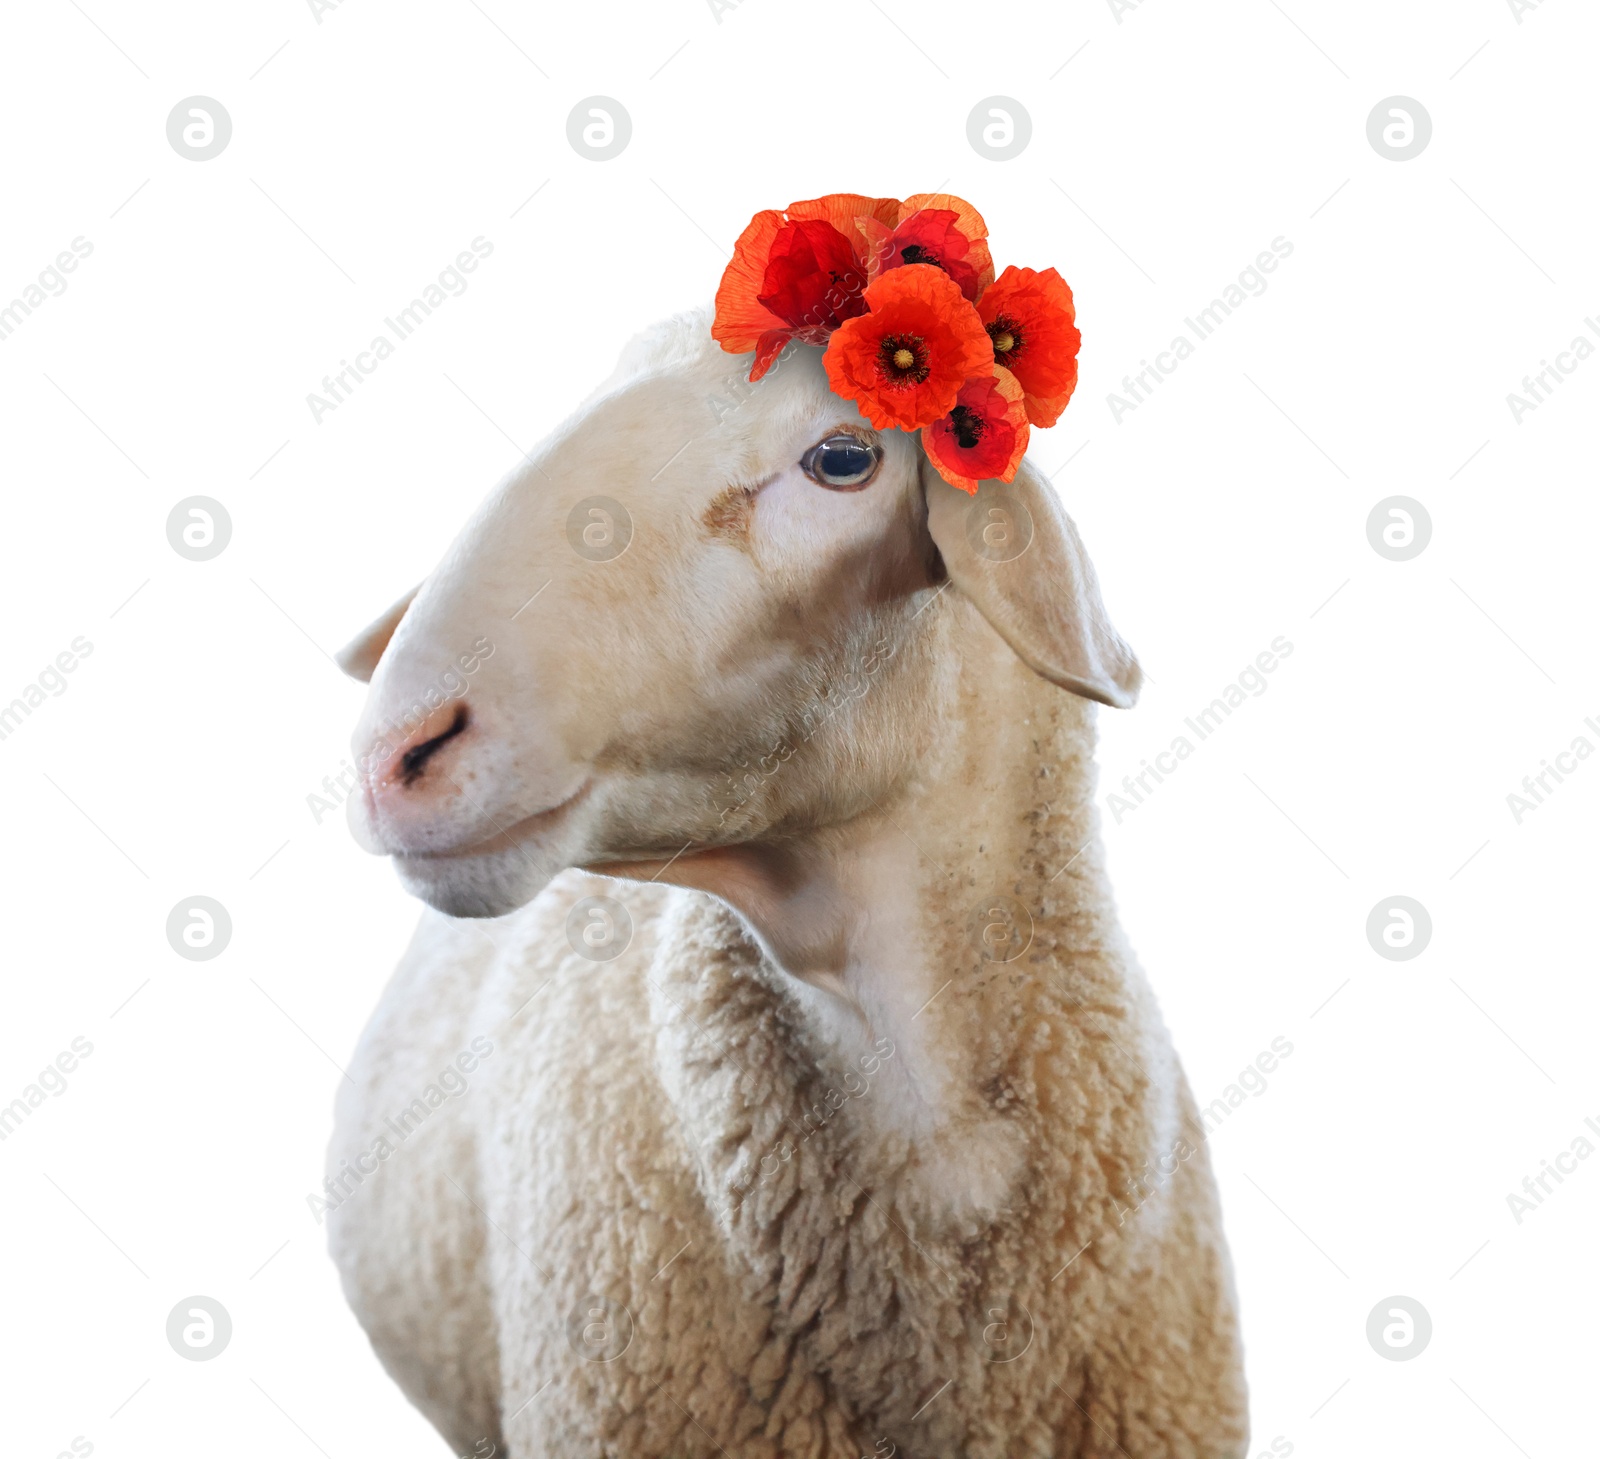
(803, 1097)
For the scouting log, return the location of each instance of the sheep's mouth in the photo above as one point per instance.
(508, 838)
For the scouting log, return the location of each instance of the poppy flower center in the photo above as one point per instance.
(966, 426)
(1007, 337)
(916, 253)
(903, 359)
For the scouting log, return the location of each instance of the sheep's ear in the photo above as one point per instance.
(1015, 553)
(359, 658)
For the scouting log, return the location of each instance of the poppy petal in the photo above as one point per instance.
(813, 278)
(932, 235)
(843, 210)
(801, 270)
(968, 221)
(905, 360)
(768, 348)
(740, 320)
(985, 435)
(1031, 319)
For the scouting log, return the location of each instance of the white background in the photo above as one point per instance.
(1170, 146)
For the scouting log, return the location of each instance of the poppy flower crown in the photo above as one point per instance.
(916, 328)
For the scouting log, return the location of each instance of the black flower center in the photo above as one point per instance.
(966, 427)
(1006, 335)
(903, 359)
(916, 253)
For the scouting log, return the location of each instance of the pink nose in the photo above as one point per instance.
(417, 767)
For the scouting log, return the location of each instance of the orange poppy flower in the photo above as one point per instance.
(936, 228)
(795, 275)
(1030, 318)
(905, 360)
(984, 436)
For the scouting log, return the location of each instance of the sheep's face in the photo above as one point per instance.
(690, 619)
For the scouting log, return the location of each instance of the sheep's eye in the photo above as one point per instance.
(844, 463)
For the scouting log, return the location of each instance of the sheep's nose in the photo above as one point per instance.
(414, 782)
(404, 769)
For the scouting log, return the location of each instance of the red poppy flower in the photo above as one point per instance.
(984, 436)
(905, 360)
(795, 275)
(1030, 318)
(813, 278)
(936, 228)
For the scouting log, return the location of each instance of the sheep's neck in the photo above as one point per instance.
(936, 921)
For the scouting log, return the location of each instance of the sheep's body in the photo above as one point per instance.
(896, 1154)
(796, 1284)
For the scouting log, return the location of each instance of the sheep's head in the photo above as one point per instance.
(696, 617)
